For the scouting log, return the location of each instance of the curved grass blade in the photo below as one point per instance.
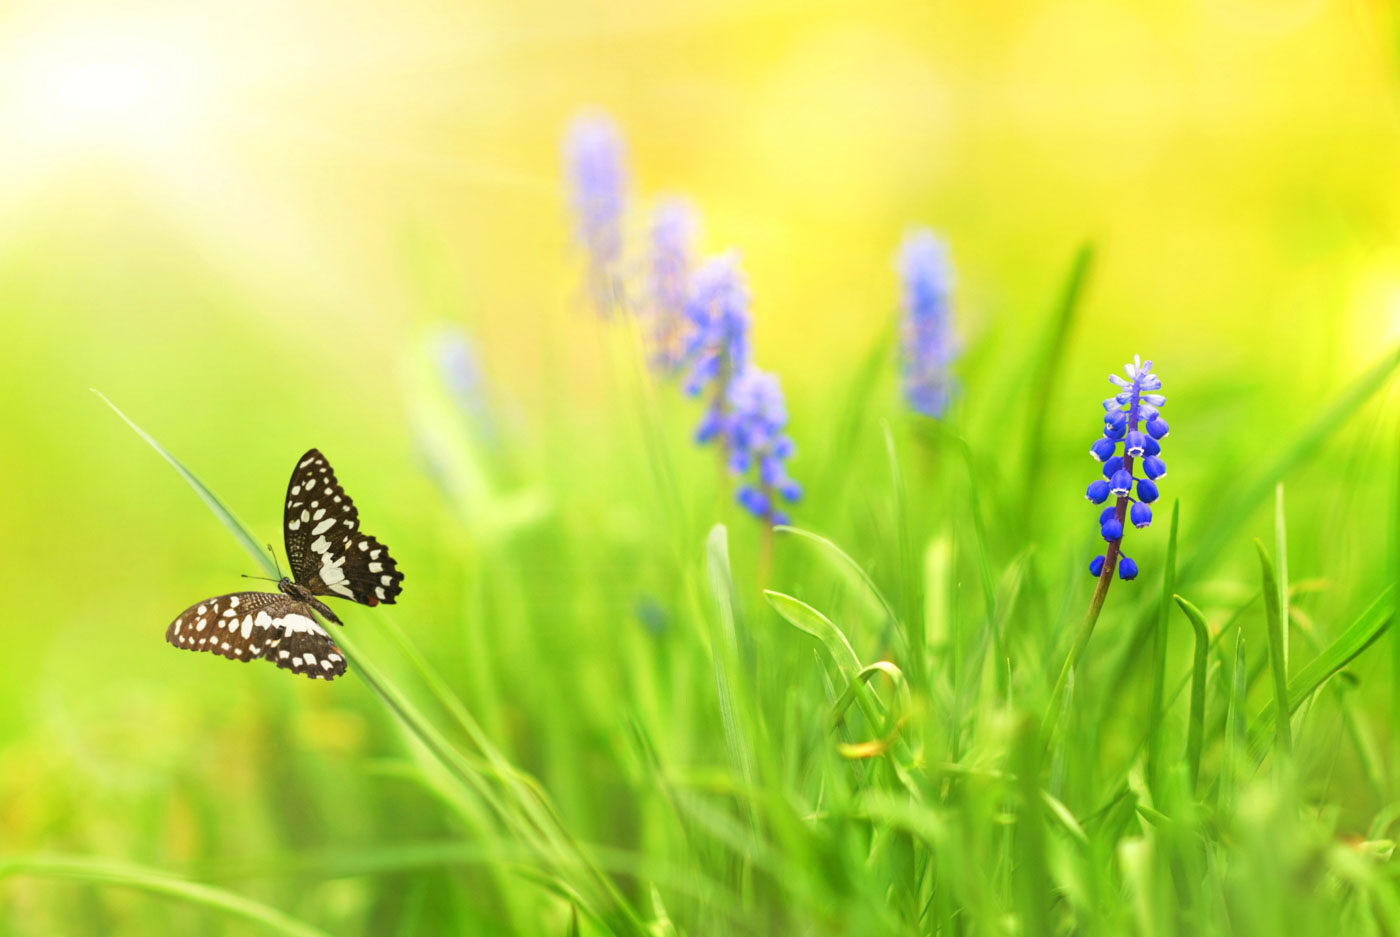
(1360, 635)
(845, 564)
(123, 875)
(803, 616)
(221, 511)
(1196, 723)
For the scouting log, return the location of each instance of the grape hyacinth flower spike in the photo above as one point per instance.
(1132, 464)
(673, 228)
(758, 446)
(717, 347)
(594, 157)
(926, 326)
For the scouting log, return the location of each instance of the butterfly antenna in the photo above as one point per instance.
(273, 554)
(261, 578)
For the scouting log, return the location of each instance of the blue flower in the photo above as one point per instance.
(462, 375)
(757, 446)
(594, 157)
(1132, 421)
(717, 346)
(926, 326)
(673, 228)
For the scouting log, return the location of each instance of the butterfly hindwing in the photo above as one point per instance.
(234, 626)
(327, 552)
(248, 625)
(307, 649)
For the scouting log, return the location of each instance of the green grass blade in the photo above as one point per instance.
(802, 616)
(1359, 635)
(221, 511)
(1281, 561)
(725, 641)
(1042, 384)
(846, 566)
(1283, 736)
(1235, 509)
(1196, 723)
(140, 878)
(1159, 655)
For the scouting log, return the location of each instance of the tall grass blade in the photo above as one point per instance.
(1277, 664)
(1195, 730)
(1052, 351)
(140, 878)
(1236, 508)
(1159, 656)
(1350, 644)
(221, 511)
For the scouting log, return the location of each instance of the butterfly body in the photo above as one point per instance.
(329, 556)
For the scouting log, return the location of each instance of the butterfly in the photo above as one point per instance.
(329, 555)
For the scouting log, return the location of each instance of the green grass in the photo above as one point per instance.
(870, 740)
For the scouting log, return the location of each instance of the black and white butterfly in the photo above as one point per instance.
(328, 555)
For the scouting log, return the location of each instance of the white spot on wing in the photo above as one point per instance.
(379, 592)
(233, 601)
(374, 554)
(293, 524)
(248, 625)
(375, 567)
(325, 525)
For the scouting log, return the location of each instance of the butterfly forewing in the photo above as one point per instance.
(249, 625)
(327, 552)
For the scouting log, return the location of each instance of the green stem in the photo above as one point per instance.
(1086, 631)
(1283, 735)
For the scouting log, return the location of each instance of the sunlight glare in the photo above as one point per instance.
(71, 94)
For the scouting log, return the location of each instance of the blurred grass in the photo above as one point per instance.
(602, 719)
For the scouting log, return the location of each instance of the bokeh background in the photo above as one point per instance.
(247, 223)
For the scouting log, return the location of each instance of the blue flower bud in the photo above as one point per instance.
(1121, 483)
(1106, 513)
(1112, 529)
(1127, 569)
(1152, 447)
(1112, 466)
(754, 500)
(1116, 419)
(1153, 467)
(1098, 491)
(1134, 442)
(1140, 514)
(1115, 430)
(1102, 449)
(1096, 566)
(1146, 490)
(1157, 428)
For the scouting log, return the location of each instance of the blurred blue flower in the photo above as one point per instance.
(757, 445)
(594, 156)
(926, 327)
(673, 228)
(717, 346)
(1131, 420)
(461, 372)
